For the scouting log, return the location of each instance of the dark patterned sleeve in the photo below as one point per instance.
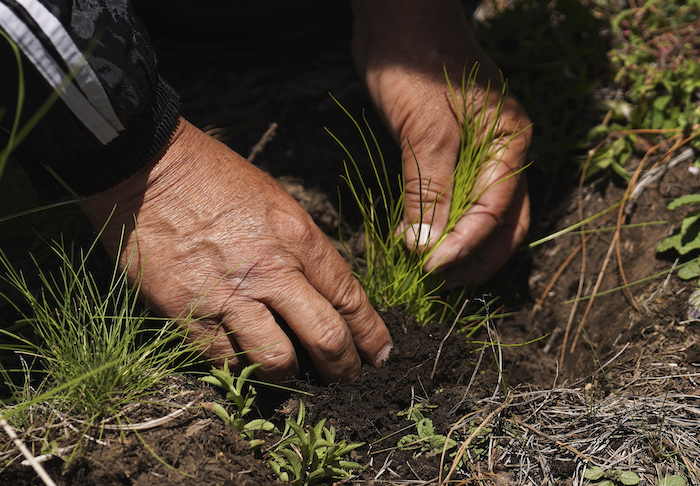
(112, 112)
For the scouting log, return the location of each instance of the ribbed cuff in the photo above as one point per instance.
(102, 168)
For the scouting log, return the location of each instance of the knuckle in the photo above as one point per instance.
(424, 190)
(333, 343)
(350, 298)
(279, 362)
(300, 227)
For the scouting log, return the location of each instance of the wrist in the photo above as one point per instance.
(415, 30)
(125, 198)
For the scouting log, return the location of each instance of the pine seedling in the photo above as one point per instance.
(392, 274)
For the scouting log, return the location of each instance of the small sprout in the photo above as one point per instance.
(310, 455)
(244, 403)
(425, 440)
(613, 477)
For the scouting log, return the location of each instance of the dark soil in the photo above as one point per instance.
(237, 102)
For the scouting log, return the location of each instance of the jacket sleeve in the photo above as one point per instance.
(112, 112)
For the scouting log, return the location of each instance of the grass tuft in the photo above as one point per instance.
(93, 346)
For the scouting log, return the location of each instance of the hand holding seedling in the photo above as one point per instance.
(217, 242)
(400, 48)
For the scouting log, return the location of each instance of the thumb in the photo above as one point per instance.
(428, 177)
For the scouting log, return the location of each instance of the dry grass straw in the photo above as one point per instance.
(647, 425)
(641, 177)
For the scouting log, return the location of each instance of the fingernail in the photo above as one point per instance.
(418, 234)
(383, 355)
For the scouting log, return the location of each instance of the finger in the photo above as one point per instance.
(252, 329)
(334, 281)
(428, 189)
(499, 186)
(321, 329)
(486, 259)
(211, 337)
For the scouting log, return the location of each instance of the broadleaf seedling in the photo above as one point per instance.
(311, 455)
(610, 477)
(425, 439)
(234, 387)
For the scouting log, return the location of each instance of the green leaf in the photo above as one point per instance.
(301, 416)
(690, 271)
(687, 225)
(425, 428)
(670, 243)
(593, 473)
(629, 478)
(292, 458)
(211, 380)
(220, 411)
(661, 102)
(255, 443)
(690, 241)
(685, 199)
(261, 424)
(318, 428)
(408, 442)
(437, 444)
(349, 465)
(322, 443)
(299, 432)
(674, 480)
(350, 447)
(618, 166)
(245, 373)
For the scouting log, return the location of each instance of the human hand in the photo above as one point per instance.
(400, 48)
(217, 239)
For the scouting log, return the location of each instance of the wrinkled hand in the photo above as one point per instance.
(217, 239)
(400, 48)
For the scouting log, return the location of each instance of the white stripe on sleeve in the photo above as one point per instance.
(54, 75)
(84, 75)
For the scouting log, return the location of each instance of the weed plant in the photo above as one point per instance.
(391, 273)
(425, 439)
(686, 242)
(654, 60)
(304, 455)
(610, 477)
